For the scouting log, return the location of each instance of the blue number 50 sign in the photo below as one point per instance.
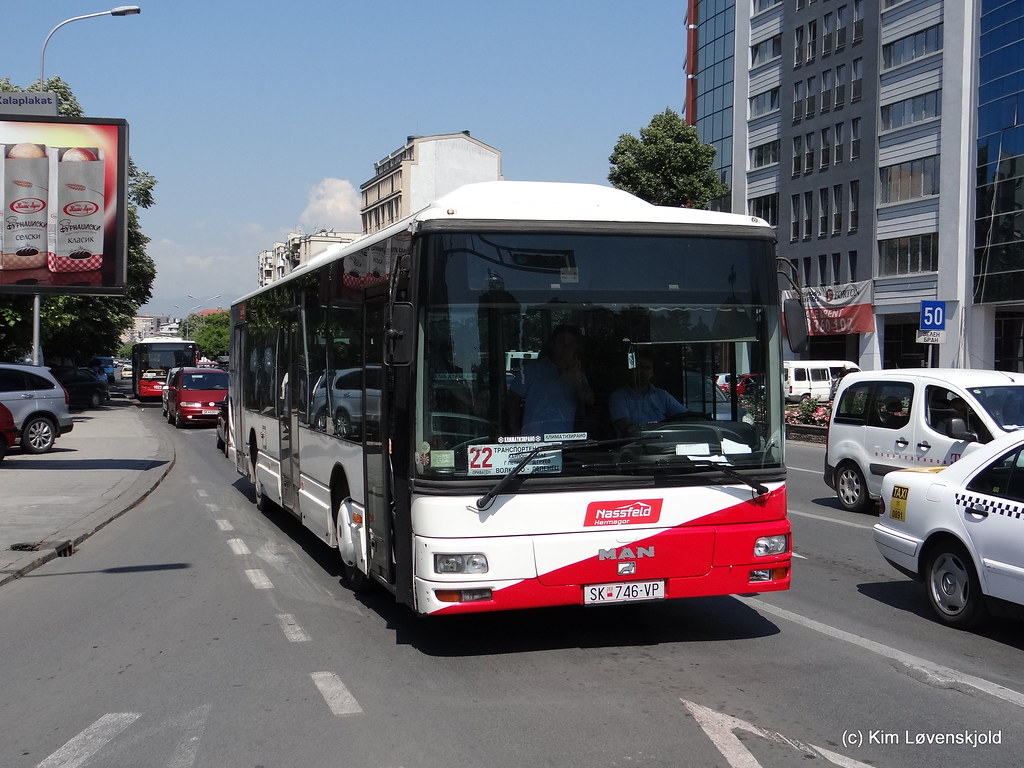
(933, 316)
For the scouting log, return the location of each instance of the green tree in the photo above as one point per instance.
(74, 328)
(212, 333)
(667, 165)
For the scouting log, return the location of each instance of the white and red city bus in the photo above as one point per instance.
(159, 353)
(371, 396)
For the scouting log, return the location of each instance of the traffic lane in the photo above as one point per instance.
(628, 683)
(841, 579)
(152, 618)
(714, 628)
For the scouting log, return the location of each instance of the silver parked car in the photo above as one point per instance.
(38, 403)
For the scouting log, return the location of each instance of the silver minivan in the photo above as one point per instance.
(38, 403)
(918, 418)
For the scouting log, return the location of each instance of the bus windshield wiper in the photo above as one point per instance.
(728, 471)
(484, 501)
(685, 461)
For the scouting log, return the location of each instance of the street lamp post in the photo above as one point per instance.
(121, 10)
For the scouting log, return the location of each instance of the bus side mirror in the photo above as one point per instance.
(402, 333)
(796, 324)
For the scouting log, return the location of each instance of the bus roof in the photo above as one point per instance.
(559, 201)
(549, 201)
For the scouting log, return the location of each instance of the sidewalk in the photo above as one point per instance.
(51, 502)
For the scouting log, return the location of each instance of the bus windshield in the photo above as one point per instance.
(605, 345)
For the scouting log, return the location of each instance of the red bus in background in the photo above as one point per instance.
(159, 354)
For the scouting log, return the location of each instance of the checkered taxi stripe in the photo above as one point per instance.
(1010, 509)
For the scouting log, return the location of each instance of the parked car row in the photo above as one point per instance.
(38, 404)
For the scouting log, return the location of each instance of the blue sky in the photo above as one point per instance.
(261, 118)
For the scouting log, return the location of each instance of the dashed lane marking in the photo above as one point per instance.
(259, 579)
(239, 547)
(225, 525)
(291, 628)
(337, 696)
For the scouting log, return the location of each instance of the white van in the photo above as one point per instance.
(813, 378)
(905, 419)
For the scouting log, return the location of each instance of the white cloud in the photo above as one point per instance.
(333, 205)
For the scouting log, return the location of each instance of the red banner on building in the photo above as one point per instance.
(838, 309)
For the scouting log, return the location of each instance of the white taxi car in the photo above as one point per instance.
(960, 530)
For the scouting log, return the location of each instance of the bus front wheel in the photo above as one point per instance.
(351, 576)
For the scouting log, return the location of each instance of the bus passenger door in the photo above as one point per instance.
(375, 443)
(288, 374)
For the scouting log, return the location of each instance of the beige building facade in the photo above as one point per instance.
(425, 168)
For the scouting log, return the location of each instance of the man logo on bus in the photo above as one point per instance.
(636, 512)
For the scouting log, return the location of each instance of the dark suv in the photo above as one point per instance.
(38, 403)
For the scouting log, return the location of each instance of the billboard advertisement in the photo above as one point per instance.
(63, 186)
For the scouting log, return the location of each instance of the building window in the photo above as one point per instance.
(908, 255)
(858, 20)
(827, 84)
(836, 268)
(857, 85)
(840, 85)
(854, 205)
(839, 144)
(826, 147)
(764, 154)
(764, 5)
(764, 102)
(812, 40)
(798, 155)
(809, 153)
(912, 47)
(808, 214)
(855, 138)
(799, 99)
(822, 269)
(823, 212)
(841, 21)
(909, 180)
(794, 218)
(811, 96)
(766, 207)
(765, 51)
(837, 209)
(798, 49)
(913, 110)
(826, 33)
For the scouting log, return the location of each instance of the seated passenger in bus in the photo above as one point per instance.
(640, 402)
(545, 395)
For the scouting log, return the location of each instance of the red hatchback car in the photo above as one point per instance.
(8, 434)
(194, 396)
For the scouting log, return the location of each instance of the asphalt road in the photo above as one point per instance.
(196, 631)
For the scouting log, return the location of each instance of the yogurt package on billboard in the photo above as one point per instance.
(76, 197)
(26, 178)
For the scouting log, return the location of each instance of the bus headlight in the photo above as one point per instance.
(771, 545)
(460, 563)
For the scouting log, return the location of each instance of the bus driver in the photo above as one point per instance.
(543, 397)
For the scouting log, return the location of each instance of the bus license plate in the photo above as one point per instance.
(623, 592)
